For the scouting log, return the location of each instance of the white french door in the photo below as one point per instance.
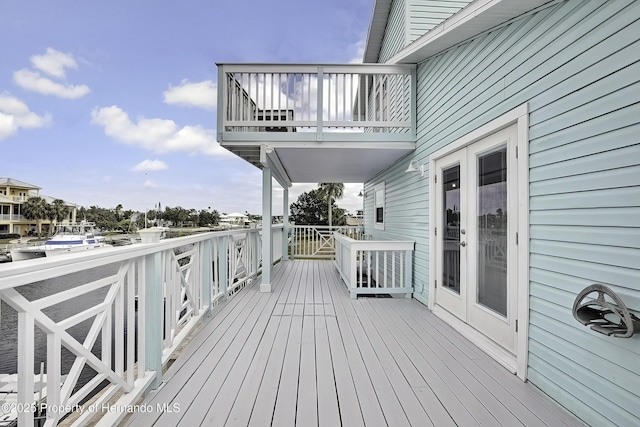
(476, 223)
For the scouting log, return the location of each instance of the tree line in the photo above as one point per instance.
(316, 207)
(119, 219)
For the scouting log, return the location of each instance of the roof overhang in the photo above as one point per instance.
(474, 19)
(377, 27)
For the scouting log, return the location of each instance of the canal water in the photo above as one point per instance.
(9, 321)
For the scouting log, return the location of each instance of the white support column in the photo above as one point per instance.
(267, 258)
(285, 221)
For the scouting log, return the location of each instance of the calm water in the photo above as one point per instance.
(9, 321)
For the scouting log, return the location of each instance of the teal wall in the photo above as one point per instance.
(423, 15)
(577, 64)
(395, 36)
(410, 19)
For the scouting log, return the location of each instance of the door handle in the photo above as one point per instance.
(463, 243)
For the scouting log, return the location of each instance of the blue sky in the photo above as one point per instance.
(113, 102)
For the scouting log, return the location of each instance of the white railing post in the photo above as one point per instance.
(223, 262)
(25, 367)
(53, 374)
(285, 225)
(223, 92)
(320, 105)
(255, 252)
(292, 243)
(153, 316)
(206, 276)
(353, 271)
(408, 271)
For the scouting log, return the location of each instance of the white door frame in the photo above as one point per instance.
(520, 117)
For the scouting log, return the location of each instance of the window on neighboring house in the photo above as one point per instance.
(378, 196)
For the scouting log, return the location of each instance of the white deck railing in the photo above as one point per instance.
(315, 100)
(375, 267)
(317, 241)
(168, 286)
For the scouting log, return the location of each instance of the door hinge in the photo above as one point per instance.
(516, 238)
(436, 231)
(516, 151)
(435, 179)
(516, 325)
(436, 284)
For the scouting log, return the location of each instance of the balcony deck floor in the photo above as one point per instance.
(306, 354)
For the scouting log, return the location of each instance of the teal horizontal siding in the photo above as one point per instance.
(599, 143)
(577, 65)
(395, 36)
(602, 236)
(603, 161)
(426, 14)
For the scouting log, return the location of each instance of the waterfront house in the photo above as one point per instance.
(501, 136)
(233, 220)
(13, 193)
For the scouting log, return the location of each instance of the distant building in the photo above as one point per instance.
(13, 194)
(233, 220)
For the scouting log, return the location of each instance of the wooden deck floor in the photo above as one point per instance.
(306, 354)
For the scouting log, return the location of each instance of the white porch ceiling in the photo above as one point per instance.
(311, 165)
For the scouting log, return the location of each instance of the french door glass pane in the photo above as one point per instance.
(451, 229)
(492, 231)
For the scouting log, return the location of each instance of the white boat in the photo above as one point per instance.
(67, 237)
(9, 398)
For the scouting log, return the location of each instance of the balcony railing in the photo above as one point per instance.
(375, 267)
(12, 217)
(317, 241)
(316, 101)
(138, 313)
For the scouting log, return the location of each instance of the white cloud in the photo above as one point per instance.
(32, 80)
(15, 114)
(159, 135)
(203, 94)
(150, 165)
(54, 63)
(150, 184)
(7, 126)
(359, 55)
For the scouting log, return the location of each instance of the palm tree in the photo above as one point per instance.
(331, 191)
(118, 211)
(58, 210)
(35, 208)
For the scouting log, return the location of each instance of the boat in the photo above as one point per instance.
(9, 398)
(67, 237)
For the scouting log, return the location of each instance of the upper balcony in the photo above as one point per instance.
(357, 119)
